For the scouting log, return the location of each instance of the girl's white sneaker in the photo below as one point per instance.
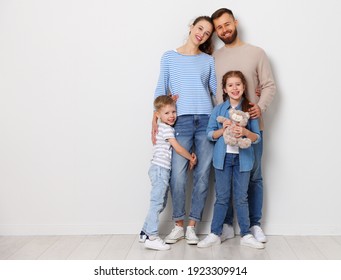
(249, 241)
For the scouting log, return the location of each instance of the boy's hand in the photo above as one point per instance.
(193, 161)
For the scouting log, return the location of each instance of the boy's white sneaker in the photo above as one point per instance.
(227, 233)
(191, 236)
(249, 241)
(176, 234)
(142, 237)
(258, 233)
(156, 243)
(210, 240)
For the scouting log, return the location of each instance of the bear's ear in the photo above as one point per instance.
(247, 115)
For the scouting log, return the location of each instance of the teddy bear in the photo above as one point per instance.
(237, 117)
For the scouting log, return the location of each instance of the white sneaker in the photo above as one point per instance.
(258, 234)
(176, 234)
(210, 240)
(191, 236)
(249, 241)
(156, 243)
(228, 232)
(142, 237)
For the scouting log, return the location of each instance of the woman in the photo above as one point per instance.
(188, 74)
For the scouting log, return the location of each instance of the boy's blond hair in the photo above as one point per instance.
(162, 101)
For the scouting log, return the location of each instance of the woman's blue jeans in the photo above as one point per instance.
(225, 178)
(190, 132)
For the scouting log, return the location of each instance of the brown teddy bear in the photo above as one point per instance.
(240, 118)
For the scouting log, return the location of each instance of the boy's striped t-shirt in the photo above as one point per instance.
(162, 150)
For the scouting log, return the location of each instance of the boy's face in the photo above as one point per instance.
(167, 114)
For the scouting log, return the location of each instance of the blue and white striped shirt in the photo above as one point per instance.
(192, 77)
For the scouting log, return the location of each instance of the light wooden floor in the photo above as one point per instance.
(127, 247)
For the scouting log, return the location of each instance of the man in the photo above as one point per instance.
(254, 64)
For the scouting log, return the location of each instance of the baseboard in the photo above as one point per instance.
(165, 227)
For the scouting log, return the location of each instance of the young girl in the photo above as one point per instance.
(188, 73)
(232, 165)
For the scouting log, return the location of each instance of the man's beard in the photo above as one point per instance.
(231, 39)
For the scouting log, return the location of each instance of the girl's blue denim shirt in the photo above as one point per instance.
(246, 156)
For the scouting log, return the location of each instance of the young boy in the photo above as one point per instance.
(159, 171)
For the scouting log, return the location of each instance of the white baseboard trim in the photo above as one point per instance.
(165, 228)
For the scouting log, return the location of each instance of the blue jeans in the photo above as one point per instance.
(159, 178)
(255, 192)
(225, 178)
(190, 132)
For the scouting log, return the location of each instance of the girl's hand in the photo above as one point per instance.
(226, 123)
(239, 131)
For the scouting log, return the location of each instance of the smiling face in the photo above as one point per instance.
(226, 28)
(167, 114)
(201, 31)
(234, 87)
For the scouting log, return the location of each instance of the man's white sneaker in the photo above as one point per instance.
(191, 236)
(156, 243)
(176, 234)
(227, 233)
(258, 234)
(210, 240)
(249, 241)
(142, 237)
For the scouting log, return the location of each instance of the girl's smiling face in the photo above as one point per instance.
(235, 88)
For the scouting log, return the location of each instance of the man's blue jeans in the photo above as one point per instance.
(190, 132)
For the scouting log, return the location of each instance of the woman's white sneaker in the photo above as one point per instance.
(210, 240)
(258, 234)
(156, 243)
(176, 234)
(191, 236)
(249, 241)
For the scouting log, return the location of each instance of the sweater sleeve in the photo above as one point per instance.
(163, 82)
(266, 81)
(213, 78)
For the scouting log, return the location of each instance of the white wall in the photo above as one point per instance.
(76, 88)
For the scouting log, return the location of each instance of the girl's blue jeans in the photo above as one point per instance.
(225, 178)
